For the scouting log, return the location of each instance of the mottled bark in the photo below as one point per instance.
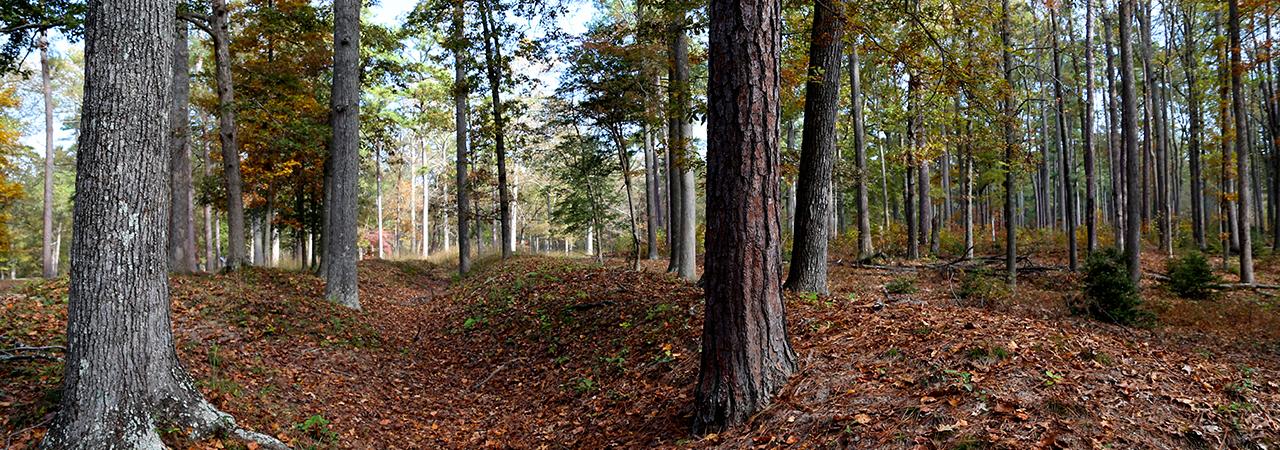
(341, 240)
(808, 270)
(746, 355)
(122, 377)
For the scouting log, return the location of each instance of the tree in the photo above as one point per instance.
(808, 271)
(680, 158)
(1190, 65)
(746, 354)
(342, 188)
(1129, 129)
(122, 378)
(182, 240)
(861, 179)
(1008, 122)
(494, 66)
(1242, 144)
(458, 47)
(1059, 102)
(50, 263)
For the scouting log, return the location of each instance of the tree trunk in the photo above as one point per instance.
(1068, 197)
(1191, 66)
(746, 354)
(624, 165)
(1242, 144)
(460, 119)
(227, 136)
(1010, 143)
(341, 242)
(650, 193)
(1086, 127)
(865, 248)
(808, 271)
(684, 211)
(909, 206)
(122, 377)
(182, 244)
(49, 263)
(493, 61)
(1129, 117)
(377, 198)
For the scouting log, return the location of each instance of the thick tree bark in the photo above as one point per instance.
(493, 68)
(1009, 120)
(1129, 128)
(1242, 144)
(1059, 100)
(341, 243)
(865, 248)
(460, 125)
(49, 261)
(122, 377)
(684, 257)
(227, 136)
(182, 243)
(746, 354)
(808, 271)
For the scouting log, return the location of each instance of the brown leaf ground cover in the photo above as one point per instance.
(543, 352)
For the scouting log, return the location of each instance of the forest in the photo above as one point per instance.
(917, 224)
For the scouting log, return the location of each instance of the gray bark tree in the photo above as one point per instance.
(49, 261)
(1242, 144)
(182, 240)
(493, 68)
(1129, 130)
(341, 248)
(865, 247)
(808, 271)
(122, 377)
(684, 239)
(460, 119)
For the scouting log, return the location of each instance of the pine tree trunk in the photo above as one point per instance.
(1242, 144)
(808, 271)
(746, 354)
(341, 242)
(865, 248)
(1129, 117)
(49, 262)
(227, 136)
(460, 119)
(122, 377)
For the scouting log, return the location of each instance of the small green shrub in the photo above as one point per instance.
(1109, 295)
(981, 286)
(901, 285)
(1191, 276)
(317, 427)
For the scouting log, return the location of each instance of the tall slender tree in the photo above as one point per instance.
(746, 354)
(494, 68)
(1129, 128)
(460, 110)
(341, 204)
(1243, 153)
(808, 272)
(49, 261)
(684, 241)
(865, 248)
(182, 241)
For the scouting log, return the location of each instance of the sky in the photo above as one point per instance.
(385, 12)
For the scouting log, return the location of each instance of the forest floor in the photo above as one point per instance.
(543, 352)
